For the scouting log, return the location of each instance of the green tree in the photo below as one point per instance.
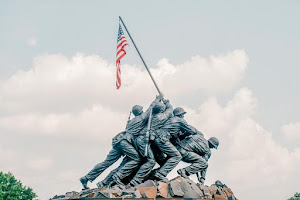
(295, 197)
(12, 189)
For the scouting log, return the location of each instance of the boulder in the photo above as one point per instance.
(219, 197)
(178, 187)
(73, 194)
(137, 194)
(206, 191)
(163, 190)
(175, 188)
(148, 183)
(213, 189)
(147, 192)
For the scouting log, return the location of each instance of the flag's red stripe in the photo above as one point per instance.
(118, 72)
(120, 43)
(120, 51)
(119, 58)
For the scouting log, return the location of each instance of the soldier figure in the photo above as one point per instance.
(195, 149)
(122, 146)
(161, 113)
(164, 142)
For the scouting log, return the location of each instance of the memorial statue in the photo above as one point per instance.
(122, 146)
(161, 113)
(195, 149)
(171, 140)
(163, 136)
(160, 134)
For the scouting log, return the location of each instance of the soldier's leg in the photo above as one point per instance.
(160, 157)
(198, 164)
(108, 178)
(111, 158)
(173, 156)
(147, 166)
(183, 153)
(202, 176)
(130, 162)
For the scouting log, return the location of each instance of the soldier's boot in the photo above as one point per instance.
(183, 173)
(116, 180)
(133, 183)
(84, 182)
(201, 180)
(158, 176)
(100, 184)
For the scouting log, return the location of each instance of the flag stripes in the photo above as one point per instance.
(121, 43)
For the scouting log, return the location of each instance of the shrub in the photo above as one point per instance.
(12, 189)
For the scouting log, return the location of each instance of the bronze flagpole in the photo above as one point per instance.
(159, 92)
(140, 56)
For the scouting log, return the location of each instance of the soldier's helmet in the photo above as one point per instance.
(137, 110)
(178, 111)
(214, 142)
(158, 108)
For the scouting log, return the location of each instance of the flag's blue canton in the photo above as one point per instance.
(120, 33)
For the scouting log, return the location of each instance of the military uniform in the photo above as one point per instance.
(164, 137)
(195, 150)
(123, 145)
(157, 122)
(120, 148)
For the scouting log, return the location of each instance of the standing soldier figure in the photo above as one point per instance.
(195, 149)
(163, 137)
(161, 113)
(122, 146)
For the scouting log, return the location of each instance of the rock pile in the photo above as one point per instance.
(177, 188)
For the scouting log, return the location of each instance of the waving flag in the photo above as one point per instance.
(122, 42)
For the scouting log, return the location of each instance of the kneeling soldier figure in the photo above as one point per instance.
(195, 149)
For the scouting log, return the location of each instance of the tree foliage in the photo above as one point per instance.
(295, 197)
(12, 189)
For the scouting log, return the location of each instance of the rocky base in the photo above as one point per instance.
(176, 188)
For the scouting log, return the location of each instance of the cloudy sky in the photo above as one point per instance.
(233, 66)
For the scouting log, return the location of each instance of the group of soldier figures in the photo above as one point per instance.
(164, 138)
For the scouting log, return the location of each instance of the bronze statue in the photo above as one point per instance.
(195, 149)
(171, 140)
(158, 135)
(163, 142)
(123, 145)
(161, 113)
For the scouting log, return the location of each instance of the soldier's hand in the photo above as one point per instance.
(166, 101)
(159, 97)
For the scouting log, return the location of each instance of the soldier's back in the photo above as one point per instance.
(196, 143)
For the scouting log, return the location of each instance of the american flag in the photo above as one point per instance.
(122, 42)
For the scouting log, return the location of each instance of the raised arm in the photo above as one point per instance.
(145, 115)
(169, 108)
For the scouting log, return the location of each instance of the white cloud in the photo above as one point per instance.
(88, 122)
(248, 159)
(58, 84)
(291, 131)
(39, 164)
(209, 75)
(32, 41)
(74, 101)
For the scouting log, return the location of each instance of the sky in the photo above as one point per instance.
(232, 65)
